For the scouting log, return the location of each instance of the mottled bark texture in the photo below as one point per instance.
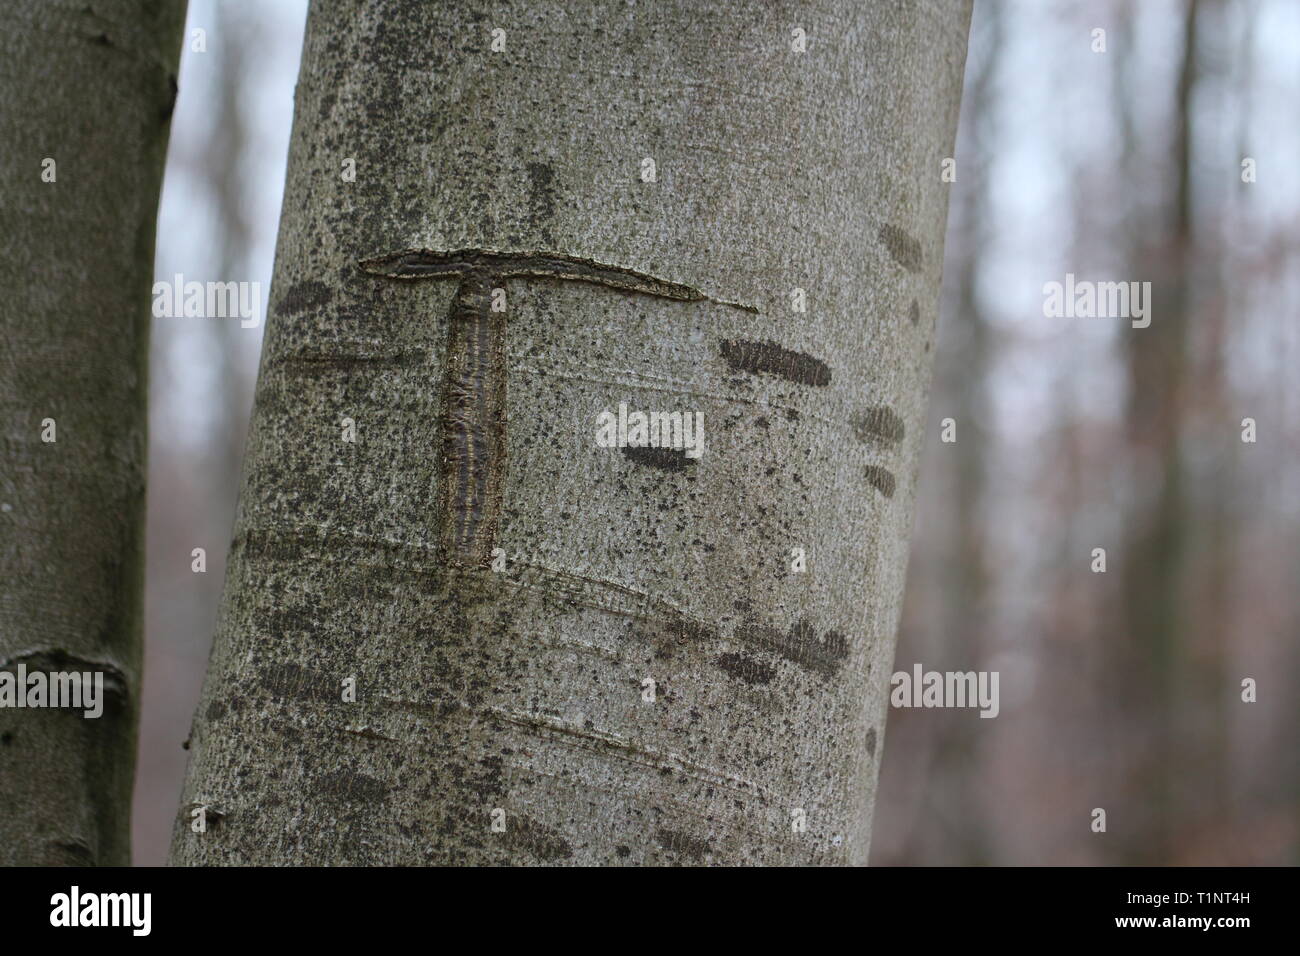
(91, 87)
(523, 689)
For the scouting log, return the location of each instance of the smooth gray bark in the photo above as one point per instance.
(522, 690)
(90, 87)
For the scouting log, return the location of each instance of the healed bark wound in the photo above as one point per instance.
(474, 423)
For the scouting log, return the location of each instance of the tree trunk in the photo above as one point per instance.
(564, 652)
(92, 91)
(1156, 553)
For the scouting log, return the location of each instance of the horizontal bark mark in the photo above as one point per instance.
(292, 681)
(345, 359)
(882, 479)
(427, 264)
(822, 656)
(878, 422)
(309, 295)
(351, 786)
(665, 459)
(746, 668)
(525, 833)
(696, 849)
(759, 357)
(904, 249)
(631, 751)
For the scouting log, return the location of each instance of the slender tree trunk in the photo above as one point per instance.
(86, 94)
(963, 742)
(564, 652)
(1156, 554)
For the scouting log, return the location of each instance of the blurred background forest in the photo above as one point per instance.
(1120, 690)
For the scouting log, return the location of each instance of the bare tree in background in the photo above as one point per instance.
(563, 652)
(1156, 553)
(955, 625)
(199, 413)
(87, 95)
(1124, 687)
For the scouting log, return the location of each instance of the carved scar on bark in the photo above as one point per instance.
(474, 383)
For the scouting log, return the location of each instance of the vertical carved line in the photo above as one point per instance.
(474, 424)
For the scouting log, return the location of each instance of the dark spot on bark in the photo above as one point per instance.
(800, 645)
(351, 785)
(683, 844)
(915, 313)
(541, 199)
(878, 422)
(6, 738)
(882, 479)
(279, 622)
(689, 631)
(216, 710)
(294, 682)
(833, 644)
(871, 742)
(746, 668)
(665, 459)
(308, 295)
(536, 838)
(905, 249)
(623, 851)
(760, 357)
